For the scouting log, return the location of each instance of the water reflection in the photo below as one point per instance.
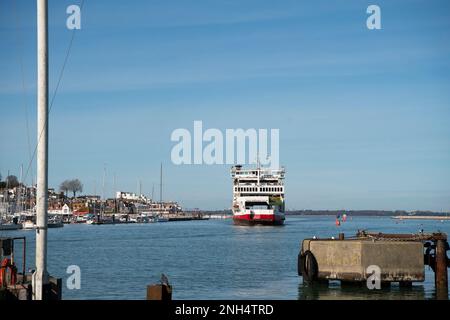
(208, 259)
(337, 291)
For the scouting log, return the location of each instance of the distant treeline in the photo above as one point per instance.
(348, 212)
(362, 213)
(215, 212)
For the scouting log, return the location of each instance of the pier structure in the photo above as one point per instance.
(396, 257)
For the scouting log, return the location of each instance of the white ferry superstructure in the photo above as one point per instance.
(258, 196)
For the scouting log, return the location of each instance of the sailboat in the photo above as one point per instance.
(28, 225)
(5, 225)
(5, 221)
(160, 217)
(55, 222)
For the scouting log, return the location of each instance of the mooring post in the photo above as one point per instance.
(440, 276)
(159, 292)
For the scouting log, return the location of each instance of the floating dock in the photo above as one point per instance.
(398, 257)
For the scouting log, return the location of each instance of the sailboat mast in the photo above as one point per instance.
(103, 200)
(114, 193)
(153, 192)
(40, 276)
(160, 186)
(20, 190)
(103, 182)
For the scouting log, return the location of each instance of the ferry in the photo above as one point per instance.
(258, 196)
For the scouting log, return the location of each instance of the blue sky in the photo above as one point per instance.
(364, 116)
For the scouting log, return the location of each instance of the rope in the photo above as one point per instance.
(54, 93)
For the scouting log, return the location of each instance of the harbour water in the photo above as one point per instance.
(210, 259)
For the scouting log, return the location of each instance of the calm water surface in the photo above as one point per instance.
(209, 259)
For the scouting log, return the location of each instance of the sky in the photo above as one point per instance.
(364, 115)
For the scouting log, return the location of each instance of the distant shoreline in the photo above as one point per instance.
(356, 213)
(421, 217)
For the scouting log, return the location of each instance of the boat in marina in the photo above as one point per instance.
(55, 222)
(258, 196)
(6, 226)
(9, 222)
(28, 225)
(161, 219)
(8, 219)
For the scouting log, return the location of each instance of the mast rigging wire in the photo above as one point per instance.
(54, 93)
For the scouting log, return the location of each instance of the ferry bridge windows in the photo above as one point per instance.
(259, 189)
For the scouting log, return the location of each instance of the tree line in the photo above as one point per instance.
(10, 182)
(70, 185)
(73, 186)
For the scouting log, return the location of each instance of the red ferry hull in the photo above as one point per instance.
(263, 219)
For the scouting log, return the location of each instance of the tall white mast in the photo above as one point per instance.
(103, 200)
(103, 183)
(160, 186)
(40, 276)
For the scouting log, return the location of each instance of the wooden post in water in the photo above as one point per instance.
(441, 276)
(159, 292)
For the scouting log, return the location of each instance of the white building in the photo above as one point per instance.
(131, 196)
(65, 211)
(126, 195)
